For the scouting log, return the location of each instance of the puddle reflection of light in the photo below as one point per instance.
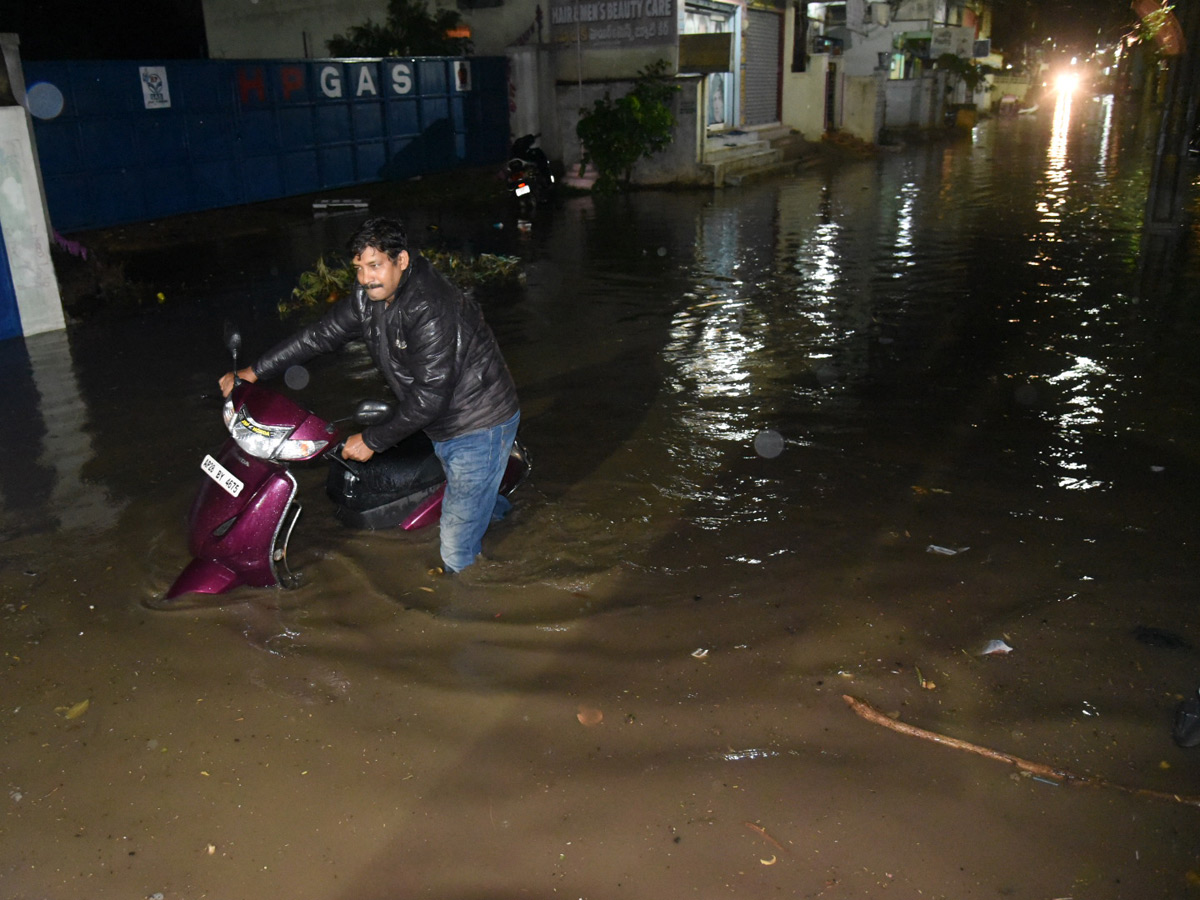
(711, 342)
(711, 347)
(1080, 411)
(817, 261)
(1057, 173)
(817, 265)
(903, 251)
(1106, 131)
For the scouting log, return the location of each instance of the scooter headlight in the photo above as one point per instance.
(258, 440)
(300, 449)
(268, 441)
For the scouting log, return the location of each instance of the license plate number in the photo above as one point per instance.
(522, 190)
(221, 475)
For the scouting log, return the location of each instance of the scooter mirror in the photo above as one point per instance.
(233, 338)
(372, 412)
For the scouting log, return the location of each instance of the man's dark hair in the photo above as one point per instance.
(384, 233)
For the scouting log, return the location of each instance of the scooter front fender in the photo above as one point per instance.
(204, 576)
(238, 535)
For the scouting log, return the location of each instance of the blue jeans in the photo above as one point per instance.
(474, 464)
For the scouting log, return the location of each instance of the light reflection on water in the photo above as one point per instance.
(906, 296)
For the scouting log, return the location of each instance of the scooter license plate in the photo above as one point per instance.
(222, 476)
(522, 190)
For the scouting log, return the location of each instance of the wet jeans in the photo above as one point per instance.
(474, 464)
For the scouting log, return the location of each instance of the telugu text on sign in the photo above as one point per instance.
(614, 22)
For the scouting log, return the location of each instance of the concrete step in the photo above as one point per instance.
(765, 156)
(773, 132)
(718, 151)
(733, 168)
(783, 167)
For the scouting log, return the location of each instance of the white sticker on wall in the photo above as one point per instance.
(155, 91)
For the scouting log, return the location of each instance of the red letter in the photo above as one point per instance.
(251, 80)
(291, 79)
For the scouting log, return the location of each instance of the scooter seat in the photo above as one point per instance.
(406, 469)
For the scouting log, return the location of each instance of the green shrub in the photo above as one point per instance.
(617, 133)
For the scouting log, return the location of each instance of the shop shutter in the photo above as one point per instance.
(763, 43)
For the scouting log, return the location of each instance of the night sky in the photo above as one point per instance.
(174, 29)
(106, 29)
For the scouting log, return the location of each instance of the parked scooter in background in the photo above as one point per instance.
(529, 174)
(245, 511)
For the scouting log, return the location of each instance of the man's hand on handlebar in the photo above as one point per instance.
(229, 379)
(357, 449)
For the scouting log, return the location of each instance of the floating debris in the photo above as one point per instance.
(995, 648)
(946, 551)
(73, 712)
(589, 716)
(344, 203)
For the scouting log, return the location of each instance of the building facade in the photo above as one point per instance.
(863, 67)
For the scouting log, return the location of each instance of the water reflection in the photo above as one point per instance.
(1057, 171)
(1079, 412)
(1107, 116)
(43, 484)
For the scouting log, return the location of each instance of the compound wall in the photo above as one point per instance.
(126, 141)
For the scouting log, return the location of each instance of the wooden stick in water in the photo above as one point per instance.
(1059, 776)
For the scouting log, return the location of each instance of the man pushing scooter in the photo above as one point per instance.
(440, 359)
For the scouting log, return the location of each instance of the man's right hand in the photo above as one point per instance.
(229, 379)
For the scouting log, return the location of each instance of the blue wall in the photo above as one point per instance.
(247, 130)
(10, 315)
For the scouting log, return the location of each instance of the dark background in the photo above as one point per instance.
(106, 29)
(174, 29)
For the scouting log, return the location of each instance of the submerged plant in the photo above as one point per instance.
(326, 283)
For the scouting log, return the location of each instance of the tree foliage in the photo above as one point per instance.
(617, 133)
(967, 71)
(410, 30)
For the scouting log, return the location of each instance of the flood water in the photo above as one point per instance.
(822, 436)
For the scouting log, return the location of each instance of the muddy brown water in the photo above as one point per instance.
(752, 414)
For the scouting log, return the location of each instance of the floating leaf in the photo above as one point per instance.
(73, 712)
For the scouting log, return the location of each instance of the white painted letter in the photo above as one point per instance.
(366, 84)
(402, 82)
(331, 82)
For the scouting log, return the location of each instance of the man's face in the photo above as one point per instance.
(378, 273)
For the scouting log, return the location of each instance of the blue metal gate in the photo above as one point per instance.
(140, 140)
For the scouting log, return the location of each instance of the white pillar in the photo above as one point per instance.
(24, 220)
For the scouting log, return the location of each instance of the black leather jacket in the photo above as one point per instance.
(432, 346)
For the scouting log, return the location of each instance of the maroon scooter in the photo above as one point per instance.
(245, 511)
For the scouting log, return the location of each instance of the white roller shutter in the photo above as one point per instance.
(763, 43)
